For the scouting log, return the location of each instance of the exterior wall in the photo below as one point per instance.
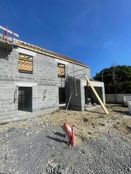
(117, 98)
(8, 64)
(7, 87)
(44, 82)
(75, 94)
(96, 84)
(45, 97)
(7, 100)
(73, 83)
(72, 70)
(100, 84)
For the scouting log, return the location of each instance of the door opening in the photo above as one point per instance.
(25, 99)
(62, 99)
(90, 95)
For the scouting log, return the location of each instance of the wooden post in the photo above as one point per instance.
(97, 96)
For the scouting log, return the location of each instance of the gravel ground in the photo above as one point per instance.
(38, 147)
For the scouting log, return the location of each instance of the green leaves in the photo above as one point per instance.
(117, 79)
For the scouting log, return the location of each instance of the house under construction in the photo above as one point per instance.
(35, 79)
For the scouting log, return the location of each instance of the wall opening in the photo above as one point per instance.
(90, 96)
(25, 99)
(25, 63)
(62, 98)
(61, 70)
(5, 51)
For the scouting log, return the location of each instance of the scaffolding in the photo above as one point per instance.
(7, 36)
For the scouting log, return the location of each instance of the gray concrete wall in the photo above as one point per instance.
(8, 64)
(72, 70)
(116, 98)
(7, 87)
(100, 84)
(44, 78)
(45, 97)
(75, 94)
(8, 105)
(74, 88)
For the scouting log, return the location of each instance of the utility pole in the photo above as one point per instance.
(102, 76)
(114, 79)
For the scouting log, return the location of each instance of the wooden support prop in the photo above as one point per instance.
(97, 96)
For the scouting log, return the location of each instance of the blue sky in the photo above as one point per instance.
(95, 32)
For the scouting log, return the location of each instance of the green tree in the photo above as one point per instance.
(117, 79)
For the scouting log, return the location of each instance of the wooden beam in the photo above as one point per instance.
(97, 96)
(17, 43)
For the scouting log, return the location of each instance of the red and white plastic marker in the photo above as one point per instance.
(72, 136)
(70, 133)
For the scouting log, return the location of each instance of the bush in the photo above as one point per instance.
(117, 79)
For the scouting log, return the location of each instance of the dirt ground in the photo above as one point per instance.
(87, 124)
(103, 143)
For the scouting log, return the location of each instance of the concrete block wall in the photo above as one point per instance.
(45, 97)
(8, 64)
(73, 84)
(77, 71)
(116, 98)
(8, 88)
(75, 94)
(8, 99)
(72, 70)
(44, 77)
(44, 71)
(102, 86)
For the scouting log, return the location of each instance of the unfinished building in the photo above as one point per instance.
(34, 79)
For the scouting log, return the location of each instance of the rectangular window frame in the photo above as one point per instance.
(29, 61)
(58, 69)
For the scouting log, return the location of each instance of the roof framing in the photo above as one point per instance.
(37, 49)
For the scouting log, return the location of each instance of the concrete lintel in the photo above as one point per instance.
(97, 84)
(24, 51)
(61, 61)
(94, 83)
(25, 84)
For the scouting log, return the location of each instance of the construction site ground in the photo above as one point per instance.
(39, 146)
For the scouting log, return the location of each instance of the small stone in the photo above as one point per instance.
(46, 124)
(85, 119)
(102, 124)
(129, 169)
(6, 135)
(82, 151)
(89, 133)
(48, 170)
(53, 164)
(65, 171)
(11, 129)
(26, 154)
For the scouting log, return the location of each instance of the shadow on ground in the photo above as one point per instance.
(59, 137)
(121, 112)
